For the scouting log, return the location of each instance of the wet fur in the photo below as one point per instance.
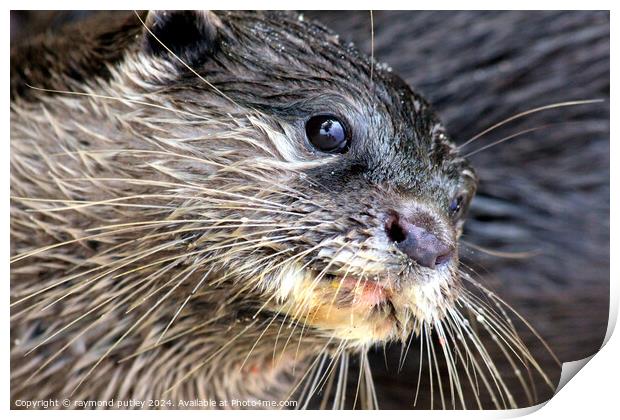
(492, 233)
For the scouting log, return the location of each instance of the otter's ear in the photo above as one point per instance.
(189, 34)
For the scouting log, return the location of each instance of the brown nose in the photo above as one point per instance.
(417, 243)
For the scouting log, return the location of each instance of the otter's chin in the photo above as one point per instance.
(365, 311)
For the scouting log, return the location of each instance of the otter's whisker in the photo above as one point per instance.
(224, 167)
(322, 357)
(490, 365)
(417, 389)
(174, 222)
(125, 261)
(339, 396)
(60, 244)
(473, 381)
(119, 99)
(327, 392)
(452, 375)
(506, 138)
(342, 279)
(477, 369)
(512, 255)
(500, 325)
(189, 271)
(329, 370)
(256, 242)
(101, 318)
(170, 339)
(527, 324)
(221, 349)
(359, 378)
(437, 372)
(178, 311)
(182, 186)
(273, 318)
(177, 58)
(427, 339)
(514, 341)
(529, 112)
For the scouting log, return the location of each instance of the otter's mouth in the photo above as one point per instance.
(363, 304)
(366, 308)
(358, 291)
(378, 297)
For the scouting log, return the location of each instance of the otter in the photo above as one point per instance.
(231, 211)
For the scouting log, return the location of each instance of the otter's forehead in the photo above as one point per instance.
(290, 68)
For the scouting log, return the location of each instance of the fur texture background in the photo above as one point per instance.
(546, 192)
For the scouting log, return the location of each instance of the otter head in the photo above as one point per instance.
(334, 195)
(273, 168)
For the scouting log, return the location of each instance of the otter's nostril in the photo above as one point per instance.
(394, 230)
(443, 258)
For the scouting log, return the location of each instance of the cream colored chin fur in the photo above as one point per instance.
(314, 299)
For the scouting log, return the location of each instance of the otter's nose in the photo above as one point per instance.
(416, 242)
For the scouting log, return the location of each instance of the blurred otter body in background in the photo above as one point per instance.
(546, 192)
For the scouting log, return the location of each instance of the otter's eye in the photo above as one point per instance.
(327, 134)
(456, 205)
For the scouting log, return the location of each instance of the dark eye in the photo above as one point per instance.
(327, 134)
(456, 205)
